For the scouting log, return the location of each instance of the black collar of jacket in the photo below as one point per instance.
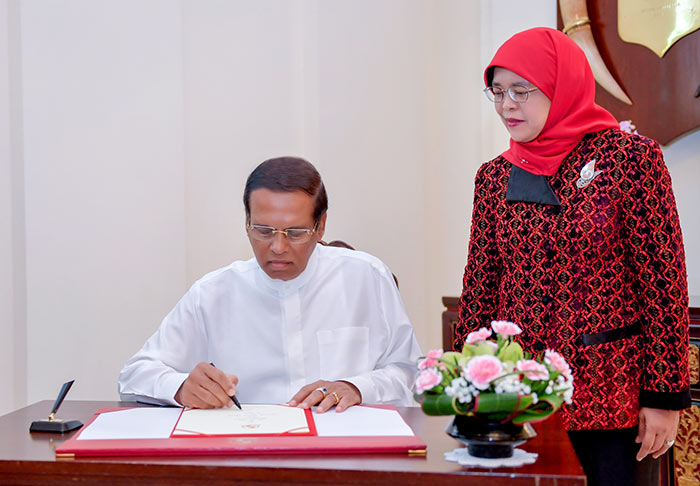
(527, 187)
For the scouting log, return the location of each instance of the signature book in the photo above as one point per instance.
(257, 429)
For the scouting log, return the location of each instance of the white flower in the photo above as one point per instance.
(461, 389)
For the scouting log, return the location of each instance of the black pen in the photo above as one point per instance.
(59, 400)
(233, 397)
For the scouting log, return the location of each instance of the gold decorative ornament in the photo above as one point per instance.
(574, 15)
(694, 364)
(657, 24)
(576, 25)
(686, 451)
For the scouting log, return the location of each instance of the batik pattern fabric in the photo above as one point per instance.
(600, 278)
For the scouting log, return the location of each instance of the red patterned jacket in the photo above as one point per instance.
(599, 278)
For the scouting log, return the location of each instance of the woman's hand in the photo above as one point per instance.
(657, 428)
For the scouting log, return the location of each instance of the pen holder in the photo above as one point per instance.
(55, 426)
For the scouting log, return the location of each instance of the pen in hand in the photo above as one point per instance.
(233, 397)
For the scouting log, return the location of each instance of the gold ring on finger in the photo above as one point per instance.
(337, 398)
(323, 390)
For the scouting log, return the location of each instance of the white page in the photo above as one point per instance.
(251, 420)
(361, 421)
(134, 423)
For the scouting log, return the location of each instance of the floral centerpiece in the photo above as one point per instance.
(493, 388)
(494, 379)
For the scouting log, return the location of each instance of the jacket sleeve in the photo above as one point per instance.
(478, 303)
(657, 259)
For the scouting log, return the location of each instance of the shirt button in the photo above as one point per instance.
(550, 254)
(546, 299)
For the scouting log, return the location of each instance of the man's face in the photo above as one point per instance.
(283, 210)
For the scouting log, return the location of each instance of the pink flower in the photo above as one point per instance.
(428, 379)
(532, 369)
(481, 370)
(557, 361)
(431, 360)
(478, 336)
(505, 328)
(427, 363)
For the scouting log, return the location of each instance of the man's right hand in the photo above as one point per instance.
(207, 387)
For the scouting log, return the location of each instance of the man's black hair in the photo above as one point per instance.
(288, 174)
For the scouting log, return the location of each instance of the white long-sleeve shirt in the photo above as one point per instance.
(342, 318)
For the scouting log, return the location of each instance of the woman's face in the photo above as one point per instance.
(524, 121)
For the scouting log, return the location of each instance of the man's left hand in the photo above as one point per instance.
(657, 428)
(326, 394)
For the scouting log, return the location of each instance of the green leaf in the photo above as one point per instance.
(439, 405)
(501, 402)
(451, 359)
(545, 407)
(555, 401)
(513, 352)
(483, 348)
(468, 350)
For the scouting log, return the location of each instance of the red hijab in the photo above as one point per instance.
(554, 63)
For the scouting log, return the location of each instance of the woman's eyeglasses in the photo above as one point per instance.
(519, 95)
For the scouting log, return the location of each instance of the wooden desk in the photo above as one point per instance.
(28, 459)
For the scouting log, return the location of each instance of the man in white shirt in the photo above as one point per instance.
(301, 323)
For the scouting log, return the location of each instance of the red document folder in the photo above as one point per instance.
(238, 445)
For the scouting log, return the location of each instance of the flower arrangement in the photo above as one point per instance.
(494, 379)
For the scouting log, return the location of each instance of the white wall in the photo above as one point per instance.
(13, 333)
(683, 161)
(242, 103)
(7, 359)
(104, 185)
(127, 129)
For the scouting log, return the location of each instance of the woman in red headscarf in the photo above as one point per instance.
(575, 236)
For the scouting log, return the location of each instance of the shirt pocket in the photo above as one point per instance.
(343, 352)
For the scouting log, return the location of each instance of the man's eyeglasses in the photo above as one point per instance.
(295, 236)
(519, 95)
